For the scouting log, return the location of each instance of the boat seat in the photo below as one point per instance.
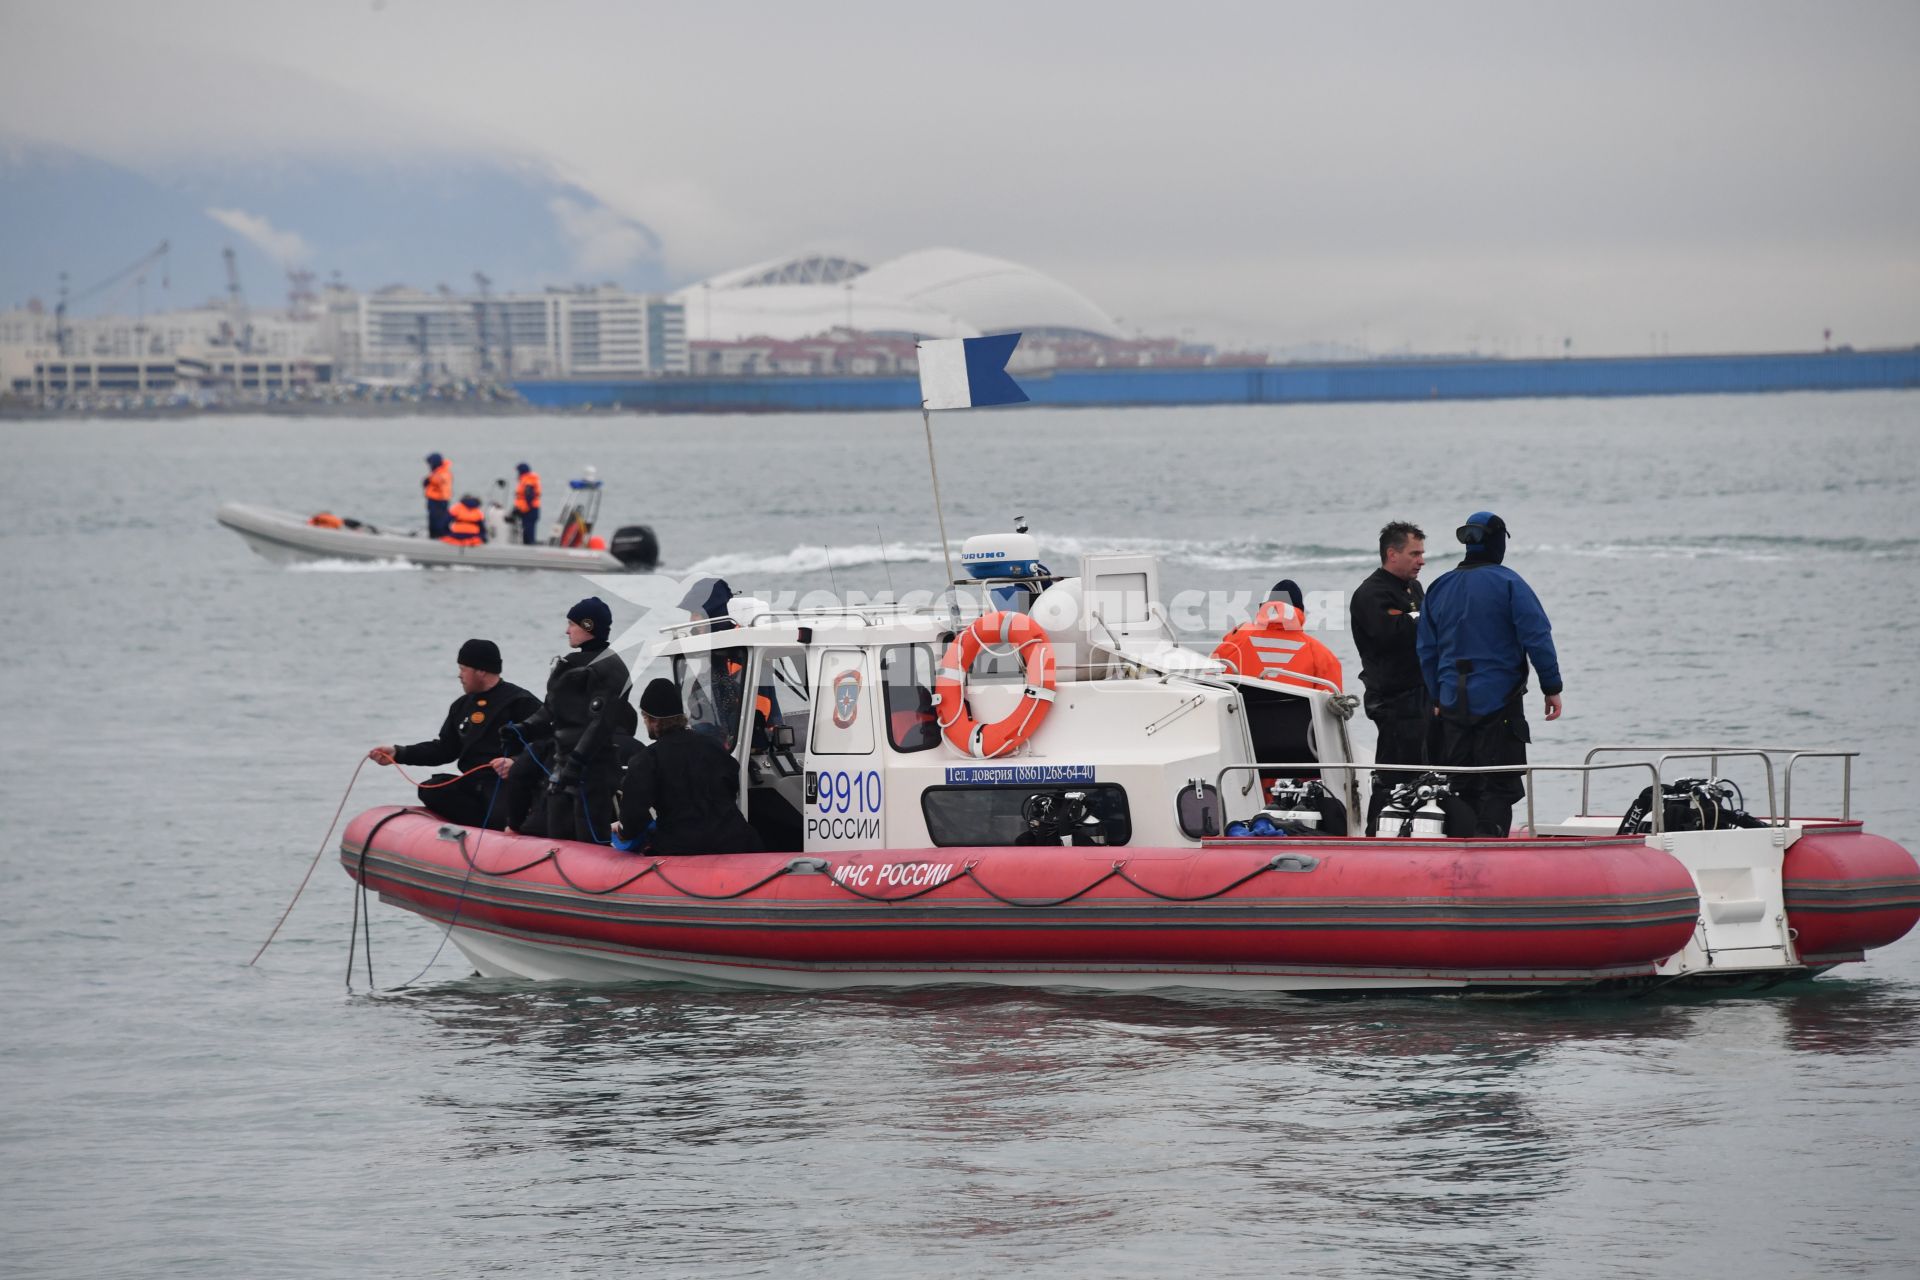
(1281, 727)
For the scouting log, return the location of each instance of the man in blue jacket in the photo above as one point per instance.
(1481, 625)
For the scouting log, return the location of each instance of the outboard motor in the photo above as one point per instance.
(635, 547)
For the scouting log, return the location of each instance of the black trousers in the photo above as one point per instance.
(467, 801)
(1495, 740)
(585, 812)
(1403, 723)
(525, 795)
(1402, 740)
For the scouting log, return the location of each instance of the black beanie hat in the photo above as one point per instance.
(1289, 590)
(593, 614)
(481, 655)
(661, 698)
(708, 596)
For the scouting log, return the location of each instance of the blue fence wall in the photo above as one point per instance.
(1272, 384)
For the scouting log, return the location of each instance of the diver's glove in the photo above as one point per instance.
(566, 777)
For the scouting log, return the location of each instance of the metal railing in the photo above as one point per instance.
(1845, 758)
(1527, 771)
(1779, 805)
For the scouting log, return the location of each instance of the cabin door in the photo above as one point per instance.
(774, 794)
(845, 787)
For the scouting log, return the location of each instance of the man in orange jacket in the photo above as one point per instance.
(466, 523)
(438, 486)
(526, 502)
(1276, 646)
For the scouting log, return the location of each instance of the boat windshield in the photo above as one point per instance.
(711, 689)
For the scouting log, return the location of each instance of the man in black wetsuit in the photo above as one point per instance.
(1385, 612)
(470, 737)
(572, 737)
(685, 784)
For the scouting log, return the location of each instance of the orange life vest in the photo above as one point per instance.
(1276, 646)
(326, 520)
(526, 497)
(761, 702)
(466, 526)
(439, 485)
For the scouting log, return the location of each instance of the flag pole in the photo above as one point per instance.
(933, 468)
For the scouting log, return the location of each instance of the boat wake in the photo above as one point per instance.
(1218, 554)
(395, 565)
(1750, 547)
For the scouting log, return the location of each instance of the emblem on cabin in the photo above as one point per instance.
(846, 698)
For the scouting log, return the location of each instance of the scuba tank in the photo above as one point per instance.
(1300, 807)
(1690, 804)
(1299, 801)
(496, 516)
(1414, 809)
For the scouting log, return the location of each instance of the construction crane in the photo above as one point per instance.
(237, 305)
(481, 282)
(158, 254)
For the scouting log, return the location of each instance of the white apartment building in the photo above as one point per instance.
(591, 332)
(398, 333)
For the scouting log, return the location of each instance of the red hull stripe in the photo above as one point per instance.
(387, 869)
(1852, 895)
(961, 969)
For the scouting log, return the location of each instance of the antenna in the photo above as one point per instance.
(828, 552)
(883, 562)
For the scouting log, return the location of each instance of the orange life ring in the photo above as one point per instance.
(990, 741)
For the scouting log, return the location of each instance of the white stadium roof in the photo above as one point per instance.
(931, 293)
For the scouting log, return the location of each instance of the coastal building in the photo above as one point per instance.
(601, 331)
(930, 293)
(211, 372)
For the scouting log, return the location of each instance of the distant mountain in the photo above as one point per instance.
(375, 223)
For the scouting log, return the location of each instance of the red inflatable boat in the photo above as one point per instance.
(1060, 793)
(1283, 914)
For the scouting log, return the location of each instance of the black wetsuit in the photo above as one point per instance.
(689, 786)
(470, 737)
(1385, 614)
(573, 735)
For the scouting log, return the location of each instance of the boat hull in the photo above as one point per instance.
(1848, 891)
(1288, 915)
(284, 537)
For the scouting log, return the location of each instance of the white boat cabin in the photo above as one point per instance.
(835, 719)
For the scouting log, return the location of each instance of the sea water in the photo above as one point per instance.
(180, 718)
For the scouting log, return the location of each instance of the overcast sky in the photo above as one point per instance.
(1708, 176)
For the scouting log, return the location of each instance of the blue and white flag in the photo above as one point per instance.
(968, 373)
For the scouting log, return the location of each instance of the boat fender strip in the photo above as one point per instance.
(1283, 862)
(762, 882)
